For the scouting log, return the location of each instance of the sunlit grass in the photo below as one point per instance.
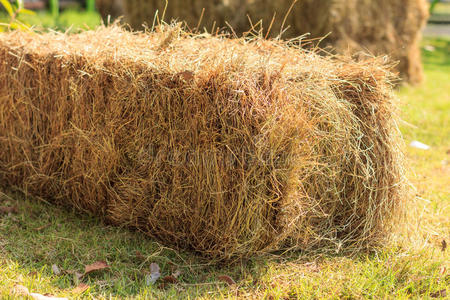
(442, 8)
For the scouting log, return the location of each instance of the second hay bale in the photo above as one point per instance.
(391, 27)
(110, 8)
(193, 13)
(380, 27)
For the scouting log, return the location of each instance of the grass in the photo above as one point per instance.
(440, 13)
(40, 235)
(442, 8)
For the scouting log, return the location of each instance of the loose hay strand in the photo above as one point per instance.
(228, 147)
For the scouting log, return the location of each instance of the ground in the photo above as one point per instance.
(35, 236)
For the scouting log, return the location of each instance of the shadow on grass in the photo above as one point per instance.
(39, 235)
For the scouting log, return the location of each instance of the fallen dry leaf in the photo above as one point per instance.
(56, 269)
(442, 270)
(43, 297)
(170, 279)
(99, 265)
(443, 245)
(154, 274)
(19, 290)
(81, 288)
(227, 279)
(154, 268)
(439, 294)
(148, 279)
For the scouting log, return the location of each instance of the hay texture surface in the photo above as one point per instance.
(380, 27)
(195, 14)
(226, 147)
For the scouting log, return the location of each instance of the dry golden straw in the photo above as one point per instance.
(379, 27)
(228, 147)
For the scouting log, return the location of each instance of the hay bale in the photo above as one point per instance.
(390, 27)
(110, 8)
(380, 27)
(193, 13)
(226, 147)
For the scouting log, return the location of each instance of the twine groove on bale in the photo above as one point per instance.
(228, 147)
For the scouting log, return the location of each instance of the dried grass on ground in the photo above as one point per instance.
(227, 147)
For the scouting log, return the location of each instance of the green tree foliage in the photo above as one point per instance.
(433, 5)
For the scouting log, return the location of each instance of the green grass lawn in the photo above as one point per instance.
(39, 235)
(442, 8)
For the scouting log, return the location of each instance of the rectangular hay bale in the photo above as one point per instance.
(223, 146)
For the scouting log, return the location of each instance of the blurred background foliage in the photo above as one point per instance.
(13, 12)
(75, 15)
(44, 15)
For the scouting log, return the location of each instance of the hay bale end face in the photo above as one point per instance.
(226, 147)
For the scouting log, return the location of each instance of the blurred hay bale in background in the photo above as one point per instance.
(379, 27)
(227, 147)
(208, 15)
(112, 8)
(390, 27)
